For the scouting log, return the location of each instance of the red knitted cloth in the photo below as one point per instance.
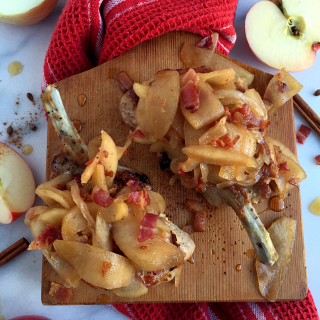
(90, 32)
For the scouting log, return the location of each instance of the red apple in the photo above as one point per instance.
(284, 34)
(17, 186)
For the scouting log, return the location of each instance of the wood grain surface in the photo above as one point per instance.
(213, 276)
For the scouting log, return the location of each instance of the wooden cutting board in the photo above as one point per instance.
(213, 276)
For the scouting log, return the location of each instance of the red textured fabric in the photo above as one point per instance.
(91, 32)
(299, 310)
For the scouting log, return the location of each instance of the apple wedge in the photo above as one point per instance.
(17, 186)
(286, 35)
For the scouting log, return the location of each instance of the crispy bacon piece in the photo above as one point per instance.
(133, 184)
(180, 171)
(195, 207)
(228, 114)
(108, 173)
(283, 166)
(50, 234)
(190, 96)
(124, 81)
(137, 133)
(191, 75)
(147, 227)
(303, 134)
(199, 185)
(246, 117)
(317, 160)
(100, 197)
(60, 292)
(105, 268)
(225, 141)
(140, 198)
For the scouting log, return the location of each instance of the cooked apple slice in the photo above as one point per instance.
(282, 233)
(150, 255)
(197, 57)
(219, 156)
(17, 186)
(101, 268)
(280, 89)
(284, 36)
(135, 289)
(161, 103)
(210, 108)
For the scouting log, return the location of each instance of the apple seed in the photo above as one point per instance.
(9, 130)
(317, 93)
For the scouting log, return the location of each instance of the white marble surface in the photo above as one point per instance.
(20, 279)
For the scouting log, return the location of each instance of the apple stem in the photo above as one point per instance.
(316, 46)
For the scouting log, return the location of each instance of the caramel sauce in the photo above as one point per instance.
(77, 124)
(276, 204)
(15, 68)
(82, 99)
(250, 253)
(314, 206)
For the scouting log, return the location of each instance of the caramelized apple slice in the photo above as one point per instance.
(101, 268)
(161, 103)
(282, 233)
(135, 289)
(152, 254)
(219, 156)
(280, 89)
(210, 108)
(193, 135)
(197, 57)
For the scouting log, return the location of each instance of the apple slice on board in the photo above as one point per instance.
(284, 34)
(17, 186)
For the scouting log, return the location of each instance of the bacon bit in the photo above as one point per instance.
(125, 152)
(190, 96)
(264, 124)
(147, 227)
(60, 292)
(192, 76)
(205, 43)
(225, 141)
(144, 248)
(133, 184)
(50, 234)
(228, 114)
(138, 133)
(106, 266)
(317, 160)
(140, 198)
(108, 173)
(180, 171)
(100, 197)
(294, 182)
(279, 75)
(162, 110)
(106, 154)
(163, 102)
(303, 134)
(282, 86)
(124, 81)
(199, 186)
(146, 196)
(199, 223)
(283, 166)
(89, 161)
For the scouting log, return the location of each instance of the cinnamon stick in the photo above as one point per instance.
(307, 113)
(14, 250)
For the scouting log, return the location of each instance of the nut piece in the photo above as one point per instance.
(30, 96)
(317, 93)
(32, 126)
(9, 130)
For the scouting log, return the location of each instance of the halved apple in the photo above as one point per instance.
(284, 34)
(17, 186)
